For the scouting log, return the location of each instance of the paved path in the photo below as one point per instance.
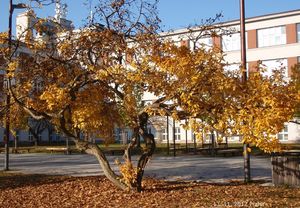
(216, 169)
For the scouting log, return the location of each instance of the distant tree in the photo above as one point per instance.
(37, 127)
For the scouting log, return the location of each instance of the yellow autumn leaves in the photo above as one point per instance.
(55, 97)
(216, 100)
(90, 74)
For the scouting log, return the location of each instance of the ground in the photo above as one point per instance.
(96, 191)
(209, 182)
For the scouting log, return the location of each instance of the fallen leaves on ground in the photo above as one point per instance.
(63, 191)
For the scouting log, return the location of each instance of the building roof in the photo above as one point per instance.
(237, 22)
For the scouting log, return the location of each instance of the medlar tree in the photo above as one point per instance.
(91, 80)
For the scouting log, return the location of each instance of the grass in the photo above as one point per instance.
(292, 146)
(38, 149)
(161, 148)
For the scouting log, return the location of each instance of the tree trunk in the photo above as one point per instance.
(213, 141)
(35, 136)
(145, 157)
(94, 149)
(16, 140)
(247, 173)
(147, 152)
(50, 136)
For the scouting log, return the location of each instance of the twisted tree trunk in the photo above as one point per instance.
(145, 157)
(147, 153)
(94, 149)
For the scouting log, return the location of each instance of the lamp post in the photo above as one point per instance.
(168, 142)
(7, 118)
(174, 140)
(247, 177)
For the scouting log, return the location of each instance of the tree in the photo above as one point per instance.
(296, 79)
(217, 100)
(81, 83)
(90, 80)
(266, 104)
(36, 127)
(18, 120)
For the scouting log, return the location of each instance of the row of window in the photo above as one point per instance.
(265, 37)
(177, 134)
(267, 65)
(55, 137)
(282, 135)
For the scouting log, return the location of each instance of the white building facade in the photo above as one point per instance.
(272, 39)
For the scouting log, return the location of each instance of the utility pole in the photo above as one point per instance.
(174, 142)
(186, 135)
(168, 142)
(7, 117)
(247, 177)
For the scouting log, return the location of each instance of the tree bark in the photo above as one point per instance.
(145, 157)
(35, 135)
(247, 170)
(16, 140)
(140, 130)
(94, 149)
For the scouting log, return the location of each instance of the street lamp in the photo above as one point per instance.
(7, 119)
(247, 176)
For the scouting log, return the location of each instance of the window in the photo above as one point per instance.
(17, 135)
(271, 36)
(232, 67)
(51, 137)
(177, 43)
(207, 138)
(124, 137)
(298, 32)
(177, 133)
(204, 42)
(231, 42)
(30, 136)
(118, 134)
(276, 64)
(283, 135)
(38, 86)
(115, 134)
(235, 67)
(182, 43)
(164, 134)
(1, 82)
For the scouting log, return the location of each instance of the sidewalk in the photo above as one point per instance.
(210, 169)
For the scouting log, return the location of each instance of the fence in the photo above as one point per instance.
(286, 168)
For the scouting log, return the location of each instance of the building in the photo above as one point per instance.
(38, 130)
(273, 39)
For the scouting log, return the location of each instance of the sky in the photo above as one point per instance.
(175, 14)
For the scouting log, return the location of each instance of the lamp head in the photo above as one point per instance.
(19, 6)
